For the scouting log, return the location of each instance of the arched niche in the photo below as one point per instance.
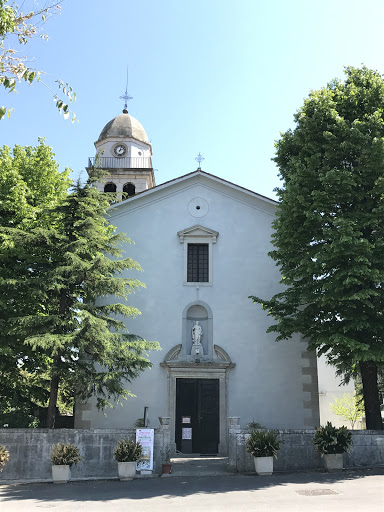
(201, 312)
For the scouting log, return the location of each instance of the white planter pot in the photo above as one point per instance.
(333, 462)
(127, 470)
(263, 465)
(61, 474)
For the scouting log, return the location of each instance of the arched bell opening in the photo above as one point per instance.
(129, 190)
(110, 187)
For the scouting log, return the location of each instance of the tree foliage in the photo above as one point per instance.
(13, 67)
(329, 233)
(349, 406)
(66, 268)
(30, 187)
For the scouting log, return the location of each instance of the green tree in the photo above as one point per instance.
(349, 406)
(13, 68)
(69, 269)
(30, 186)
(329, 230)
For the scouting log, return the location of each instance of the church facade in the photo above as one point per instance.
(203, 245)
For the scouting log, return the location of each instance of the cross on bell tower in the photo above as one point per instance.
(126, 97)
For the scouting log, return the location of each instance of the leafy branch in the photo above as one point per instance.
(13, 67)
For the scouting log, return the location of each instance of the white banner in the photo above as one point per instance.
(145, 436)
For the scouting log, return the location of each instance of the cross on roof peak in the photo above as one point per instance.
(199, 159)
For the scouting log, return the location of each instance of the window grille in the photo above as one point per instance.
(197, 266)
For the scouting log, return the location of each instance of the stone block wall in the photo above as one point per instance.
(367, 449)
(297, 451)
(30, 452)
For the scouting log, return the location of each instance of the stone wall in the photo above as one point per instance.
(30, 449)
(297, 451)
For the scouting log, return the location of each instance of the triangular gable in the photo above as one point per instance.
(186, 177)
(198, 231)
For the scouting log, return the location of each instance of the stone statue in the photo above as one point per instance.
(197, 333)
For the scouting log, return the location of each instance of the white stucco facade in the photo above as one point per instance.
(258, 379)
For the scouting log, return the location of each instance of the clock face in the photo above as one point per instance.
(120, 150)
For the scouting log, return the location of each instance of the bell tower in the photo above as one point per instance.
(124, 152)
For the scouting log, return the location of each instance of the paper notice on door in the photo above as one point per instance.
(187, 433)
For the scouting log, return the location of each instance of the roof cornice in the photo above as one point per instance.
(190, 175)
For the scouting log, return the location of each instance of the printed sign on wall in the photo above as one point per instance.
(145, 436)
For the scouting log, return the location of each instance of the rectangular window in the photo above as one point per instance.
(197, 265)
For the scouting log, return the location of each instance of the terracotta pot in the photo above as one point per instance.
(166, 469)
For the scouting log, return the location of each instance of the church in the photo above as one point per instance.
(203, 245)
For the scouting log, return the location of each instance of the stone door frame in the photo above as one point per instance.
(204, 370)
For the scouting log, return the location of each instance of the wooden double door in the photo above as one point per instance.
(197, 400)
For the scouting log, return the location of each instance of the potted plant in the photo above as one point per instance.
(166, 467)
(332, 442)
(127, 453)
(263, 445)
(4, 457)
(63, 455)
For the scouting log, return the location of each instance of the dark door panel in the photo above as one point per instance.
(208, 405)
(199, 400)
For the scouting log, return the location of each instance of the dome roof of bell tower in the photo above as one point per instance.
(123, 126)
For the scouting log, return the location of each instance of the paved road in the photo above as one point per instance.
(360, 491)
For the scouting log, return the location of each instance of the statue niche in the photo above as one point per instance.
(196, 335)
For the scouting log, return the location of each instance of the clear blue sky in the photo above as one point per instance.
(222, 78)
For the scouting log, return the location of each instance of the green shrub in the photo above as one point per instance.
(128, 451)
(331, 440)
(4, 457)
(65, 454)
(263, 443)
(255, 425)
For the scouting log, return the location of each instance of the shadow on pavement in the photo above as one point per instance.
(139, 489)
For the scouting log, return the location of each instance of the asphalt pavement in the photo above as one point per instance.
(351, 491)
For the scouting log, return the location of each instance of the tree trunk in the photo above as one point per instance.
(373, 419)
(54, 390)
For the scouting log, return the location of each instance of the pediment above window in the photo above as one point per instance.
(198, 232)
